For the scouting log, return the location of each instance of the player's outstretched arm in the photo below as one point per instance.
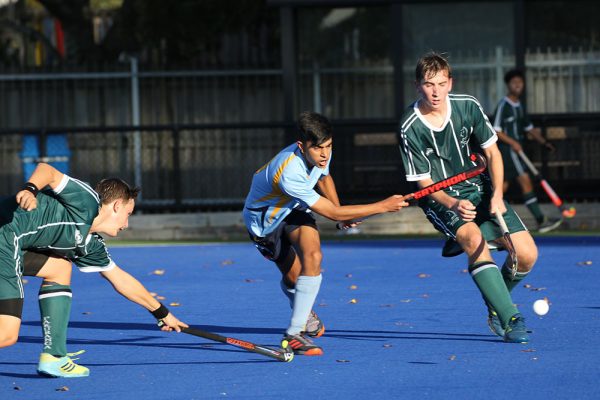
(43, 175)
(133, 290)
(326, 208)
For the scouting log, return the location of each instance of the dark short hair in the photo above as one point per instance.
(111, 189)
(513, 73)
(430, 64)
(313, 127)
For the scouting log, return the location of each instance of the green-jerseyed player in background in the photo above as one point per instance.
(434, 136)
(40, 234)
(511, 122)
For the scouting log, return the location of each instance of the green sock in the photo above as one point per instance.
(488, 279)
(55, 308)
(532, 204)
(509, 280)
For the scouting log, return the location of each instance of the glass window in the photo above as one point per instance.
(478, 39)
(562, 56)
(344, 65)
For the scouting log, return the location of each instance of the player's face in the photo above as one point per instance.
(317, 155)
(434, 90)
(516, 86)
(121, 211)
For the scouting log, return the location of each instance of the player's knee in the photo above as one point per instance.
(8, 339)
(312, 259)
(528, 258)
(472, 243)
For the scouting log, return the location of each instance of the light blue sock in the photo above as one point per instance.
(289, 292)
(307, 288)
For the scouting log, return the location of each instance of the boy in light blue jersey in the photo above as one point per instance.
(40, 234)
(277, 214)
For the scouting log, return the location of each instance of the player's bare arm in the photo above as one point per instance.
(326, 208)
(536, 134)
(327, 188)
(496, 171)
(514, 144)
(133, 290)
(43, 175)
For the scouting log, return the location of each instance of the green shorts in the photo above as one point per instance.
(448, 222)
(513, 165)
(11, 270)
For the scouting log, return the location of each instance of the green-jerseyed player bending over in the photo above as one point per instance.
(40, 234)
(434, 136)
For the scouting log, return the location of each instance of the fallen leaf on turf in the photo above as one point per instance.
(343, 361)
(322, 304)
(249, 280)
(353, 287)
(452, 357)
(405, 301)
(174, 304)
(160, 297)
(353, 301)
(538, 289)
(153, 294)
(425, 295)
(348, 275)
(226, 262)
(386, 305)
(86, 312)
(527, 286)
(464, 271)
(387, 346)
(158, 272)
(424, 276)
(584, 263)
(17, 388)
(62, 389)
(528, 351)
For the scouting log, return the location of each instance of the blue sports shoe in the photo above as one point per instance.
(61, 367)
(516, 332)
(495, 324)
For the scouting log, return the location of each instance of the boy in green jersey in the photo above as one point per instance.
(40, 234)
(435, 135)
(511, 122)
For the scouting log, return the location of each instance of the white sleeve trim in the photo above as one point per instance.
(489, 142)
(110, 266)
(62, 184)
(414, 178)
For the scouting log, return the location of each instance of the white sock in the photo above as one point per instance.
(289, 292)
(307, 288)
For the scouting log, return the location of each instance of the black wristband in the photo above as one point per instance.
(161, 312)
(30, 187)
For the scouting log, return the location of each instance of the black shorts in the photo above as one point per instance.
(275, 246)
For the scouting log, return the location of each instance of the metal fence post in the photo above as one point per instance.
(317, 88)
(499, 73)
(135, 121)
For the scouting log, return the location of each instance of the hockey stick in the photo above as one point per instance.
(566, 212)
(508, 244)
(286, 354)
(480, 166)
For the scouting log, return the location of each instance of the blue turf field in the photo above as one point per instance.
(418, 328)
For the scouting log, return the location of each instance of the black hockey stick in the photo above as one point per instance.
(286, 354)
(508, 244)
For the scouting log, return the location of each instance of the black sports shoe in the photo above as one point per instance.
(549, 224)
(301, 345)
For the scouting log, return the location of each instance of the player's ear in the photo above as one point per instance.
(116, 205)
(300, 146)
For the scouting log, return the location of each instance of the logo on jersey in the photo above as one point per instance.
(78, 237)
(509, 119)
(428, 151)
(464, 136)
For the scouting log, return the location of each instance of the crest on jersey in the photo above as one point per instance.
(464, 136)
(428, 151)
(78, 237)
